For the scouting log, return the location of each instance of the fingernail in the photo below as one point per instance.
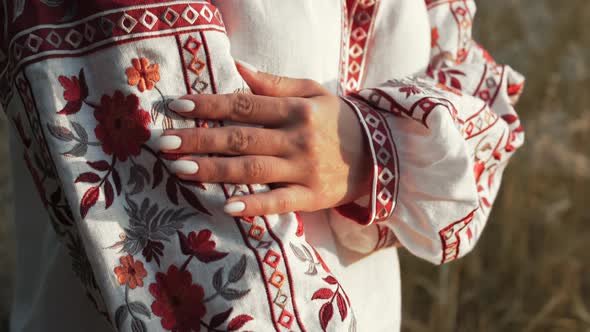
(234, 207)
(247, 66)
(182, 105)
(169, 142)
(184, 167)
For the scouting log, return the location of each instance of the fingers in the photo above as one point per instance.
(266, 84)
(281, 200)
(232, 140)
(246, 170)
(239, 107)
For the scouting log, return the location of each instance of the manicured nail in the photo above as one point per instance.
(169, 142)
(234, 207)
(182, 105)
(247, 66)
(184, 167)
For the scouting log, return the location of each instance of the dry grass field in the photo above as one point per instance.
(531, 269)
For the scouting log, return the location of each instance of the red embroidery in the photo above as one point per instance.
(450, 237)
(359, 25)
(142, 74)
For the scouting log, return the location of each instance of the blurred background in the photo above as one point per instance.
(530, 270)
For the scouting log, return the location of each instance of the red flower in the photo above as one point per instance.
(122, 125)
(75, 91)
(201, 246)
(178, 301)
(130, 272)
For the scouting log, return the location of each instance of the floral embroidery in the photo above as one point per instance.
(327, 310)
(75, 92)
(122, 125)
(200, 246)
(131, 272)
(178, 301)
(143, 74)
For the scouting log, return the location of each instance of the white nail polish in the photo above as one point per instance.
(182, 105)
(184, 167)
(169, 142)
(247, 66)
(234, 207)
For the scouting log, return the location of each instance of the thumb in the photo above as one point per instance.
(266, 84)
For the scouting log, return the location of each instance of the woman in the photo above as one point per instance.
(135, 126)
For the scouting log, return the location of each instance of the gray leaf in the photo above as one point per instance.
(311, 269)
(78, 150)
(140, 308)
(121, 315)
(61, 133)
(80, 131)
(52, 3)
(237, 271)
(218, 279)
(137, 325)
(233, 294)
(17, 8)
(298, 252)
(308, 253)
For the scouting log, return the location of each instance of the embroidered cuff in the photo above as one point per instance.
(384, 189)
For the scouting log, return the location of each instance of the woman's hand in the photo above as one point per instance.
(311, 146)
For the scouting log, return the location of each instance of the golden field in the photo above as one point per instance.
(531, 269)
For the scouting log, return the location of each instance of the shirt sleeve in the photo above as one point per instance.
(440, 142)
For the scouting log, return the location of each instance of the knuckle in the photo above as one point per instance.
(276, 80)
(306, 111)
(242, 105)
(284, 204)
(255, 169)
(237, 140)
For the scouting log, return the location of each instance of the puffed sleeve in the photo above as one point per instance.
(440, 142)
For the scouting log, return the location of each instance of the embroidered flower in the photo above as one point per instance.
(122, 125)
(178, 301)
(201, 246)
(434, 37)
(75, 91)
(130, 272)
(143, 74)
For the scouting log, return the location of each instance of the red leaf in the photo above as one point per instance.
(455, 83)
(158, 171)
(323, 294)
(88, 201)
(220, 318)
(100, 165)
(117, 181)
(88, 177)
(210, 256)
(184, 244)
(342, 308)
(441, 78)
(509, 118)
(238, 322)
(83, 86)
(108, 194)
(331, 280)
(72, 107)
(192, 199)
(326, 313)
(171, 190)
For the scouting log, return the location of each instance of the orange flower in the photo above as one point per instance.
(130, 272)
(434, 36)
(143, 74)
